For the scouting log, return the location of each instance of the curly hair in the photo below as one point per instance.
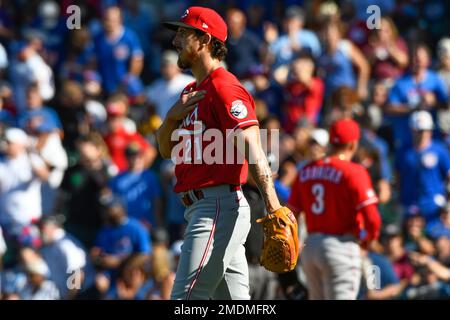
(218, 48)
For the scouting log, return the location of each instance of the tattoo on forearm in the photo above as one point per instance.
(261, 173)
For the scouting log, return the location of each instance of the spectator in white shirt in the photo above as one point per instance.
(3, 58)
(21, 175)
(2, 246)
(46, 140)
(30, 68)
(66, 258)
(165, 91)
(38, 287)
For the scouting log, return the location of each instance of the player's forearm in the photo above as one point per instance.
(248, 142)
(163, 136)
(261, 173)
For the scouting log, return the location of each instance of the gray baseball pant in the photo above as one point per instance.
(213, 264)
(332, 266)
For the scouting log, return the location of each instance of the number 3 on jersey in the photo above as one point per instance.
(318, 191)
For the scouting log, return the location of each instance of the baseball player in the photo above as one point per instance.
(213, 262)
(339, 203)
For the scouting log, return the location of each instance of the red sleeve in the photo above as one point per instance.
(372, 221)
(140, 140)
(294, 202)
(314, 100)
(361, 188)
(234, 108)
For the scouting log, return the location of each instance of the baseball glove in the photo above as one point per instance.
(281, 244)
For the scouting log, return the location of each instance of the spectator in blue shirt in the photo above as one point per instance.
(118, 51)
(139, 189)
(37, 113)
(243, 45)
(119, 238)
(79, 55)
(424, 170)
(51, 25)
(267, 90)
(440, 227)
(340, 59)
(380, 280)
(421, 88)
(143, 19)
(285, 47)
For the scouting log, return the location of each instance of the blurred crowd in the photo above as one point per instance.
(87, 209)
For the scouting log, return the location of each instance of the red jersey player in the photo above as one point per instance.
(228, 106)
(338, 200)
(213, 262)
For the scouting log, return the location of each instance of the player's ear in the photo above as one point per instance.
(206, 39)
(354, 146)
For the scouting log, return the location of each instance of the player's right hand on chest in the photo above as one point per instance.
(185, 105)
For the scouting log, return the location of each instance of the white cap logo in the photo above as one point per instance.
(429, 160)
(204, 25)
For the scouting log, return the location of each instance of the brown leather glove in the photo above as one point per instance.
(281, 245)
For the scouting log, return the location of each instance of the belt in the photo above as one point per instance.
(342, 237)
(190, 197)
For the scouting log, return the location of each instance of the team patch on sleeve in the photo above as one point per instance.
(238, 109)
(371, 193)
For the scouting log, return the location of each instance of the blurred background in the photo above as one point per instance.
(87, 209)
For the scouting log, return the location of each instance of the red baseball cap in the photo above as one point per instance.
(344, 131)
(204, 19)
(116, 109)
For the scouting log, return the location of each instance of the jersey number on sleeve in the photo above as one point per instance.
(318, 191)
